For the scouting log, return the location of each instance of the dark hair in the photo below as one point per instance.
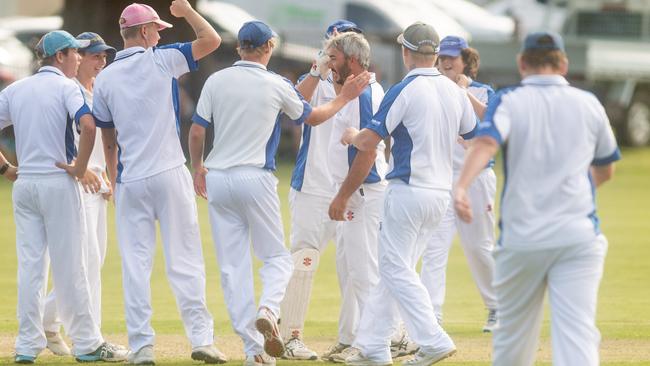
(540, 58)
(471, 60)
(49, 60)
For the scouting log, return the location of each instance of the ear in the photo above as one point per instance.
(521, 65)
(564, 66)
(59, 56)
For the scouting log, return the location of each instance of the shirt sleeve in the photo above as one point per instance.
(176, 58)
(468, 120)
(203, 114)
(75, 102)
(390, 114)
(496, 122)
(607, 150)
(101, 112)
(5, 117)
(293, 104)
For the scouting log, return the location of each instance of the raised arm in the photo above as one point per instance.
(207, 39)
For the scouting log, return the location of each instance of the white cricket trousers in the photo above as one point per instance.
(49, 217)
(356, 247)
(572, 276)
(244, 209)
(95, 209)
(477, 239)
(169, 198)
(410, 215)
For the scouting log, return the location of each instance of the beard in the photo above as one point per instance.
(343, 72)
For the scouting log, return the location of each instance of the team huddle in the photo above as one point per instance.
(388, 176)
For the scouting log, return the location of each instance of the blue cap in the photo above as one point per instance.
(342, 26)
(253, 34)
(452, 46)
(96, 45)
(56, 41)
(543, 41)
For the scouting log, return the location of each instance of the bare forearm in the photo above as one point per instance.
(326, 111)
(366, 140)
(478, 155)
(601, 174)
(478, 106)
(86, 142)
(109, 139)
(207, 38)
(358, 173)
(307, 86)
(196, 145)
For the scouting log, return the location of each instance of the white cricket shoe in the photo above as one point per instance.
(267, 324)
(492, 321)
(427, 359)
(56, 344)
(295, 349)
(404, 347)
(143, 356)
(208, 354)
(347, 353)
(259, 360)
(358, 359)
(334, 349)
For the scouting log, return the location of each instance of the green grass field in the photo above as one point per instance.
(623, 313)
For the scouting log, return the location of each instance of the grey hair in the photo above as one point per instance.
(352, 45)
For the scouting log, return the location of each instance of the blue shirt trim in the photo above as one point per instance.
(83, 110)
(272, 144)
(200, 120)
(365, 118)
(487, 127)
(593, 216)
(401, 151)
(103, 124)
(615, 156)
(298, 175)
(120, 166)
(470, 134)
(378, 123)
(186, 50)
(70, 148)
(176, 101)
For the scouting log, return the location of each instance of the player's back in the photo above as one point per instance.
(43, 108)
(245, 103)
(553, 134)
(434, 112)
(138, 95)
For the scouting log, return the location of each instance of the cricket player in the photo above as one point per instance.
(459, 62)
(558, 146)
(424, 114)
(93, 60)
(241, 188)
(310, 194)
(359, 178)
(48, 208)
(136, 105)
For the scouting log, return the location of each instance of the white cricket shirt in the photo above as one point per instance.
(551, 133)
(137, 94)
(43, 109)
(424, 114)
(245, 103)
(311, 174)
(356, 113)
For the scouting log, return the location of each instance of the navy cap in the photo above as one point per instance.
(59, 40)
(342, 26)
(96, 45)
(452, 46)
(253, 34)
(543, 41)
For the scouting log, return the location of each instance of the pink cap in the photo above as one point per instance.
(138, 14)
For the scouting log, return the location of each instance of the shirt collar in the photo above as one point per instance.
(249, 64)
(539, 79)
(51, 69)
(129, 51)
(425, 71)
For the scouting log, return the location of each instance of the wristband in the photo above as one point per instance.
(313, 72)
(3, 168)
